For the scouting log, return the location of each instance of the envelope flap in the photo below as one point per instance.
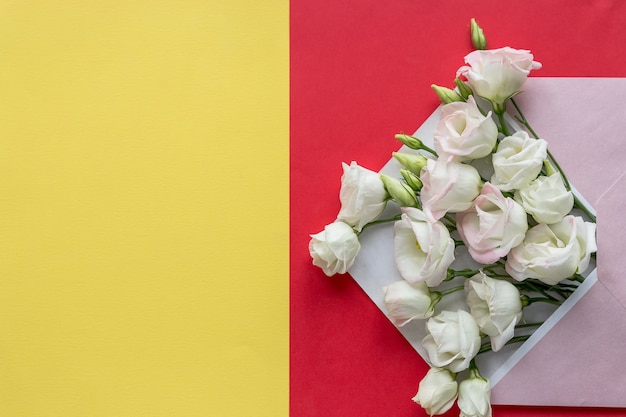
(579, 362)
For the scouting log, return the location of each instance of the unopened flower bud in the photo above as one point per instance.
(525, 300)
(410, 141)
(399, 191)
(412, 162)
(414, 143)
(446, 95)
(549, 168)
(411, 179)
(464, 89)
(478, 37)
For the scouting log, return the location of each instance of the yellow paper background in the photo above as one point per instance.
(143, 208)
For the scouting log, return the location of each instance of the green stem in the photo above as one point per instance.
(517, 339)
(528, 301)
(451, 290)
(503, 128)
(579, 204)
(467, 273)
(558, 167)
(563, 286)
(474, 371)
(563, 289)
(429, 150)
(525, 325)
(577, 277)
(451, 220)
(392, 219)
(563, 293)
(533, 287)
(492, 266)
(522, 119)
(496, 275)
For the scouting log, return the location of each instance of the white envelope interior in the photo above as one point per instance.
(583, 120)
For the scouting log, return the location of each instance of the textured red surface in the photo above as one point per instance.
(361, 71)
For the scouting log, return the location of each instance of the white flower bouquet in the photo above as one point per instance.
(484, 212)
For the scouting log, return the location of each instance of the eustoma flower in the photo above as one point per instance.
(492, 226)
(497, 74)
(546, 199)
(452, 340)
(474, 397)
(406, 302)
(362, 195)
(518, 161)
(463, 133)
(553, 252)
(437, 391)
(335, 248)
(423, 248)
(496, 306)
(449, 187)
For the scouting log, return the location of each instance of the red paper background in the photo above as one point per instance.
(361, 71)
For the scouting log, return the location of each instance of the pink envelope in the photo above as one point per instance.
(576, 357)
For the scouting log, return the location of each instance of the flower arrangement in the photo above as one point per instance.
(491, 190)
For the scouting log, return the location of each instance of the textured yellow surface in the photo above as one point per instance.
(143, 208)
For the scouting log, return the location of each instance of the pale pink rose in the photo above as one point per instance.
(497, 74)
(553, 252)
(423, 248)
(492, 226)
(463, 133)
(363, 196)
(449, 187)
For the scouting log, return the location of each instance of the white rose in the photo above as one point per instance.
(452, 340)
(518, 161)
(362, 195)
(496, 306)
(437, 391)
(405, 302)
(448, 187)
(492, 226)
(463, 133)
(546, 199)
(335, 248)
(474, 397)
(553, 252)
(497, 74)
(423, 248)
